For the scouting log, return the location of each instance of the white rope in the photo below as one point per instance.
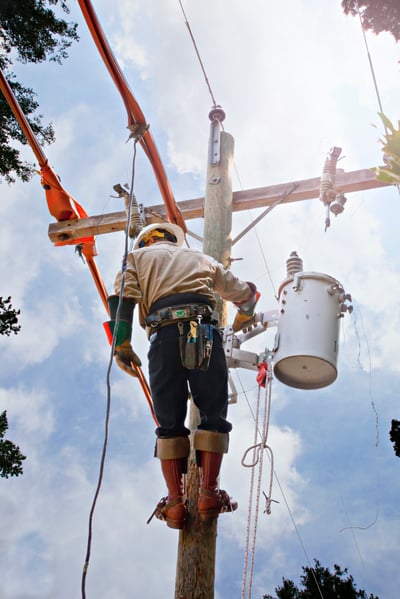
(250, 502)
(257, 450)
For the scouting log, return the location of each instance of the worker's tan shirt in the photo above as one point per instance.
(164, 269)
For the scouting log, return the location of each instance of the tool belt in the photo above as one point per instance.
(195, 324)
(195, 344)
(201, 312)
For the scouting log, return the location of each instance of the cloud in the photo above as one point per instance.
(290, 92)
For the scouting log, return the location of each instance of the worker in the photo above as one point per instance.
(176, 289)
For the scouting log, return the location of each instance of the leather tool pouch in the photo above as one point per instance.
(195, 344)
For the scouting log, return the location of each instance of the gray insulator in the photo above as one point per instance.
(135, 223)
(294, 264)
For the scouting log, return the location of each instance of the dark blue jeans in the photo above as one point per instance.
(170, 383)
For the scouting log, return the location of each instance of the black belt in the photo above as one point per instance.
(170, 314)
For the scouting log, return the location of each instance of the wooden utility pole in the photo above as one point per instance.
(195, 571)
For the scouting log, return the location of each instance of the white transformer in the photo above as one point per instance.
(307, 341)
(311, 305)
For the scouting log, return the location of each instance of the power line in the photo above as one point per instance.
(108, 383)
(214, 103)
(371, 66)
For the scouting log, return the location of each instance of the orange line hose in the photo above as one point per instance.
(63, 207)
(60, 203)
(134, 112)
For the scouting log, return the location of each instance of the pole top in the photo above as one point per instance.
(216, 114)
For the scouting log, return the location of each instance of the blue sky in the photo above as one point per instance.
(294, 80)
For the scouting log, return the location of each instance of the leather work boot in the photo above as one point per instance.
(172, 509)
(212, 501)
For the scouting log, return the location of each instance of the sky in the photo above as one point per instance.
(294, 80)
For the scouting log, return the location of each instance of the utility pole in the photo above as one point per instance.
(195, 571)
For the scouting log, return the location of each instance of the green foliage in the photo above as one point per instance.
(390, 172)
(319, 582)
(394, 434)
(30, 32)
(8, 318)
(11, 167)
(10, 456)
(376, 15)
(34, 31)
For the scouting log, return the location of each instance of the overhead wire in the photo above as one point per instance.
(349, 524)
(372, 403)
(214, 103)
(128, 241)
(370, 61)
(356, 311)
(372, 69)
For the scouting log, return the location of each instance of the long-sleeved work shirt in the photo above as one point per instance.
(164, 269)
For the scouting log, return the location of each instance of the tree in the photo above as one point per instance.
(395, 436)
(31, 32)
(390, 172)
(377, 15)
(8, 318)
(11, 457)
(319, 582)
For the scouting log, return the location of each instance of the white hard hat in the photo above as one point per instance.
(170, 227)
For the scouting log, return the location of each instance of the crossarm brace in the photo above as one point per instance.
(238, 358)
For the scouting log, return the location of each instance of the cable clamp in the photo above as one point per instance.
(138, 130)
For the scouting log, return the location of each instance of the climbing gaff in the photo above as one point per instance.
(60, 204)
(136, 119)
